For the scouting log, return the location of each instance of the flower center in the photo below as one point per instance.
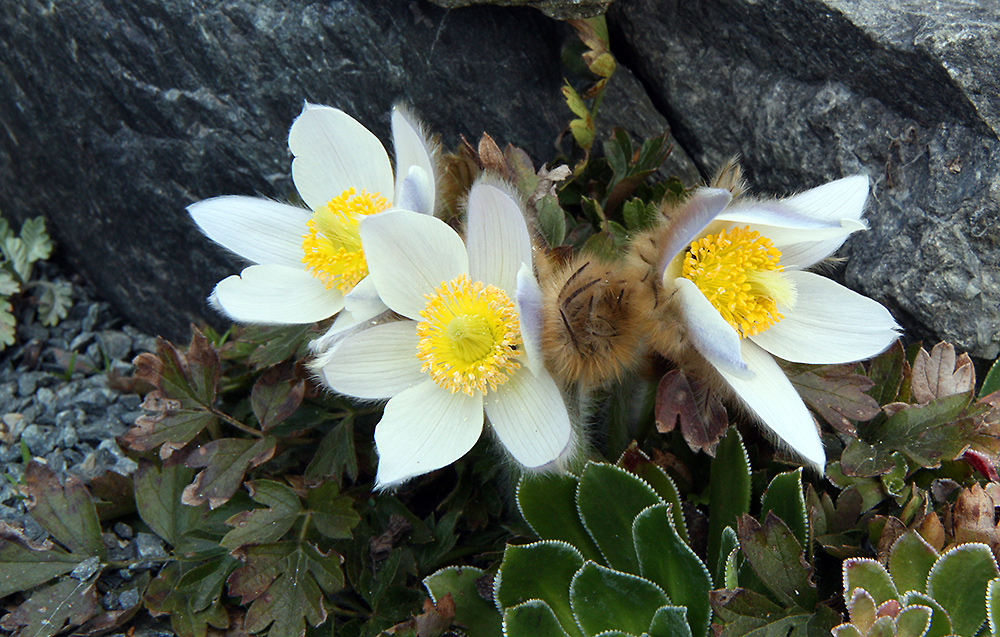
(469, 337)
(738, 271)
(333, 246)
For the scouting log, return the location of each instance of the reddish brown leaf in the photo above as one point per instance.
(691, 404)
(65, 511)
(837, 394)
(972, 518)
(49, 609)
(226, 461)
(941, 374)
(435, 620)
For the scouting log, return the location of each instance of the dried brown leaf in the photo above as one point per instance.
(50, 609)
(941, 374)
(973, 518)
(435, 619)
(837, 393)
(931, 529)
(685, 401)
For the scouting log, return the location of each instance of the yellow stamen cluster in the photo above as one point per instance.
(333, 246)
(469, 337)
(738, 271)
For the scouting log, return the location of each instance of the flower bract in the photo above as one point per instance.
(467, 344)
(309, 264)
(738, 273)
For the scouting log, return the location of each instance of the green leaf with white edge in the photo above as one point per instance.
(478, 615)
(846, 630)
(36, 240)
(533, 618)
(17, 254)
(542, 570)
(913, 621)
(606, 599)
(615, 633)
(861, 572)
(637, 462)
(8, 284)
(862, 610)
(940, 621)
(548, 504)
(883, 627)
(728, 547)
(608, 499)
(958, 582)
(785, 498)
(910, 561)
(54, 302)
(778, 560)
(992, 381)
(993, 605)
(669, 562)
(261, 526)
(730, 499)
(670, 621)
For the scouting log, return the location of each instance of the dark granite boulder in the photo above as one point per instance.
(116, 114)
(811, 90)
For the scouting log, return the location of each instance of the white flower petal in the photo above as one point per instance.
(258, 230)
(711, 335)
(276, 294)
(496, 235)
(841, 199)
(377, 362)
(829, 324)
(425, 428)
(334, 152)
(410, 255)
(774, 400)
(414, 188)
(529, 416)
(687, 224)
(801, 249)
(774, 213)
(529, 313)
(363, 300)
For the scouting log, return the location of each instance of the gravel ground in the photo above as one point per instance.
(55, 404)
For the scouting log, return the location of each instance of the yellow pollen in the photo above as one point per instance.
(738, 271)
(470, 337)
(333, 246)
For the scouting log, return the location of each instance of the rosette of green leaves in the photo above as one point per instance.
(923, 593)
(19, 253)
(612, 560)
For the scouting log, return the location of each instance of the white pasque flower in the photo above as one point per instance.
(309, 264)
(470, 342)
(738, 275)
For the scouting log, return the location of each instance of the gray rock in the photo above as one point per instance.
(149, 546)
(559, 9)
(36, 438)
(81, 340)
(94, 399)
(124, 531)
(810, 90)
(115, 345)
(146, 106)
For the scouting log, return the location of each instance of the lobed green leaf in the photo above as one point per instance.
(606, 599)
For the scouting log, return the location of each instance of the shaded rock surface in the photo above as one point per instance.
(560, 9)
(809, 90)
(116, 114)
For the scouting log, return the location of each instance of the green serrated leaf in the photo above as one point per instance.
(838, 394)
(262, 526)
(5, 230)
(872, 577)
(542, 570)
(886, 370)
(609, 499)
(728, 550)
(163, 598)
(474, 612)
(551, 220)
(275, 396)
(531, 619)
(201, 586)
(785, 498)
(8, 284)
(606, 599)
(284, 585)
(336, 454)
(65, 511)
(36, 240)
(958, 582)
(940, 622)
(992, 381)
(24, 566)
(913, 621)
(910, 562)
(158, 500)
(778, 559)
(639, 215)
(993, 605)
(333, 514)
(547, 503)
(55, 301)
(8, 333)
(666, 560)
(171, 425)
(637, 462)
(48, 610)
(225, 461)
(730, 499)
(273, 344)
(17, 254)
(671, 621)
